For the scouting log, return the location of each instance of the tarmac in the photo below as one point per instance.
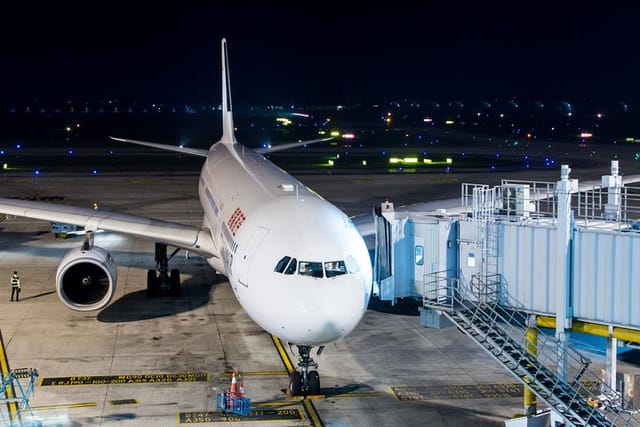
(162, 361)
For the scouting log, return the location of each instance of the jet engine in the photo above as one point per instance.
(86, 278)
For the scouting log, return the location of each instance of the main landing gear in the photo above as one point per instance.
(162, 281)
(304, 382)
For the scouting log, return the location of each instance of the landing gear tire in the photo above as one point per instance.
(314, 382)
(152, 283)
(295, 384)
(174, 280)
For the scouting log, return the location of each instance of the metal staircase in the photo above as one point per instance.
(498, 324)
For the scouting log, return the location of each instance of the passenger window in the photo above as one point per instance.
(313, 269)
(352, 265)
(282, 264)
(334, 268)
(292, 267)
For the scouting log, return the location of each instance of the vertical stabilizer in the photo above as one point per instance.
(227, 114)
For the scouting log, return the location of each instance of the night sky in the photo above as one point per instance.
(319, 52)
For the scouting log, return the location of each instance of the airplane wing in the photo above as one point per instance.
(184, 236)
(281, 147)
(185, 150)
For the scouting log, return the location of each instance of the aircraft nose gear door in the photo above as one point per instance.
(246, 255)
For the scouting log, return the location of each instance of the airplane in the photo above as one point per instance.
(296, 263)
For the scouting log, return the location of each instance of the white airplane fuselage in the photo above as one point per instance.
(258, 216)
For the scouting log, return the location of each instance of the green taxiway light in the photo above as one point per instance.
(427, 161)
(410, 160)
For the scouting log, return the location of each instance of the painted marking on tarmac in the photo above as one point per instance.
(181, 377)
(117, 402)
(463, 391)
(292, 414)
(307, 404)
(256, 374)
(64, 405)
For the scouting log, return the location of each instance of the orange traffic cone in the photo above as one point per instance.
(233, 391)
(241, 388)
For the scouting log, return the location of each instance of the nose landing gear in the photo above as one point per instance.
(305, 382)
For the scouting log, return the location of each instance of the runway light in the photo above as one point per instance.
(427, 161)
(394, 160)
(364, 163)
(348, 135)
(5, 166)
(449, 160)
(449, 122)
(410, 160)
(334, 133)
(331, 162)
(322, 132)
(586, 135)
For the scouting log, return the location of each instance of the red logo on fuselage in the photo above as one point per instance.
(236, 220)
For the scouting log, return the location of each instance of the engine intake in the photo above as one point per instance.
(86, 278)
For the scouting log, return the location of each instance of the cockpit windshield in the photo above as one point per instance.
(328, 269)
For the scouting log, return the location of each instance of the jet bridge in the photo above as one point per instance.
(522, 254)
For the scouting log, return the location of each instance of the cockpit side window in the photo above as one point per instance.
(291, 268)
(308, 268)
(280, 266)
(335, 268)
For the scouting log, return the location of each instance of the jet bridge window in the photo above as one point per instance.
(335, 268)
(308, 268)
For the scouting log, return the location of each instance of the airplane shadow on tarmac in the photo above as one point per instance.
(136, 306)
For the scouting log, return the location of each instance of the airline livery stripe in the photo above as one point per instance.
(212, 202)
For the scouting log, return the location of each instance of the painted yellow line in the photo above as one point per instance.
(283, 354)
(10, 393)
(308, 406)
(67, 405)
(313, 414)
(256, 374)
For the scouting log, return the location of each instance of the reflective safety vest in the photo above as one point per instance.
(15, 281)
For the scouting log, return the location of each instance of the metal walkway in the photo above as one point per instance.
(508, 334)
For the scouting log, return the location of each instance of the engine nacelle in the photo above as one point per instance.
(86, 279)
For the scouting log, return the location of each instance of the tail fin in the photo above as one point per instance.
(227, 113)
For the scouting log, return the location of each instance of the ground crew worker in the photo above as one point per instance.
(15, 286)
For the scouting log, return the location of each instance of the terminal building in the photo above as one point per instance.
(519, 266)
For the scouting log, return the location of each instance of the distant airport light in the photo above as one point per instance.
(599, 115)
(322, 132)
(630, 139)
(284, 121)
(427, 161)
(586, 135)
(334, 133)
(364, 163)
(36, 172)
(95, 172)
(410, 160)
(427, 120)
(449, 122)
(348, 136)
(68, 128)
(300, 115)
(331, 162)
(449, 160)
(394, 160)
(5, 166)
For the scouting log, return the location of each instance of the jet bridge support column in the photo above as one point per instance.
(564, 188)
(611, 361)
